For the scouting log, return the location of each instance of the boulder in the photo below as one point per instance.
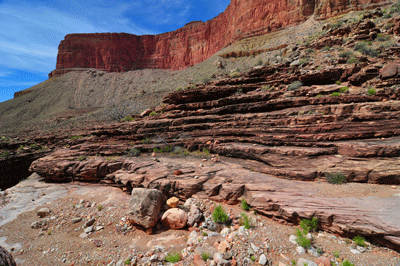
(174, 218)
(6, 258)
(323, 261)
(194, 216)
(43, 212)
(173, 202)
(145, 206)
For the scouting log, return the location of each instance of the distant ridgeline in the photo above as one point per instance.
(196, 41)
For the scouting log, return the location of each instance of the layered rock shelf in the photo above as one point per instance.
(195, 42)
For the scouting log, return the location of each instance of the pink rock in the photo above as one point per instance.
(174, 218)
(323, 261)
(198, 261)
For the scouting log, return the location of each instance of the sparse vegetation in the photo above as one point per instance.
(153, 113)
(335, 94)
(127, 119)
(76, 137)
(259, 62)
(366, 49)
(147, 141)
(382, 38)
(336, 253)
(5, 154)
(266, 88)
(99, 207)
(178, 89)
(335, 178)
(371, 91)
(244, 204)
(127, 261)
(359, 240)
(326, 48)
(173, 257)
(302, 240)
(81, 158)
(219, 215)
(344, 89)
(133, 152)
(309, 225)
(347, 263)
(245, 220)
(234, 74)
(205, 256)
(294, 85)
(338, 82)
(253, 258)
(163, 149)
(345, 54)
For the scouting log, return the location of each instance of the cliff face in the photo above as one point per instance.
(196, 41)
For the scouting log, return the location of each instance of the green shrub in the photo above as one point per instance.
(245, 206)
(133, 152)
(266, 88)
(382, 38)
(336, 25)
(294, 85)
(205, 256)
(245, 220)
(147, 141)
(81, 158)
(180, 151)
(5, 154)
(219, 215)
(347, 263)
(76, 137)
(336, 253)
(345, 54)
(259, 63)
(352, 60)
(344, 89)
(365, 49)
(99, 207)
(293, 262)
(335, 178)
(302, 240)
(163, 149)
(127, 119)
(234, 74)
(206, 152)
(153, 113)
(253, 258)
(371, 91)
(178, 89)
(338, 82)
(319, 95)
(335, 94)
(326, 48)
(359, 240)
(173, 257)
(127, 261)
(309, 225)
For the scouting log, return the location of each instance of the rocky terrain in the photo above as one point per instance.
(310, 132)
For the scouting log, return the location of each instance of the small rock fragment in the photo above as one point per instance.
(43, 212)
(173, 202)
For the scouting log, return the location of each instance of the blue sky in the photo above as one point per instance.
(31, 30)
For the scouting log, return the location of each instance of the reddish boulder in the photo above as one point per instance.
(389, 71)
(174, 218)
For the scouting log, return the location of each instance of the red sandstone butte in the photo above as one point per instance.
(196, 41)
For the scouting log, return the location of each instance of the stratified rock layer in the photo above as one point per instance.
(196, 41)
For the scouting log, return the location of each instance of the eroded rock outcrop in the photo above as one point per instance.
(196, 41)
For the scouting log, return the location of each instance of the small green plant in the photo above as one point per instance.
(347, 263)
(337, 24)
(253, 258)
(48, 232)
(234, 74)
(294, 85)
(365, 48)
(345, 54)
(99, 207)
(293, 262)
(173, 257)
(147, 141)
(302, 240)
(127, 261)
(21, 147)
(205, 256)
(205, 233)
(382, 38)
(266, 88)
(245, 220)
(344, 89)
(163, 149)
(338, 82)
(319, 95)
(133, 152)
(371, 91)
(127, 119)
(326, 48)
(335, 94)
(336, 253)
(81, 158)
(33, 145)
(259, 62)
(206, 152)
(352, 60)
(153, 113)
(219, 215)
(309, 225)
(359, 240)
(178, 89)
(335, 178)
(245, 206)
(76, 137)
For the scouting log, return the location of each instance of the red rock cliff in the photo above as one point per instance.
(196, 41)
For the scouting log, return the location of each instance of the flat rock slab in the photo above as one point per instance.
(349, 209)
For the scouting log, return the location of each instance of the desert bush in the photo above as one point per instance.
(245, 220)
(163, 149)
(335, 178)
(359, 240)
(234, 74)
(352, 60)
(259, 62)
(336, 25)
(81, 158)
(219, 215)
(365, 49)
(266, 88)
(153, 113)
(253, 258)
(294, 85)
(118, 111)
(326, 48)
(244, 204)
(72, 138)
(336, 253)
(382, 38)
(147, 141)
(335, 94)
(345, 54)
(173, 257)
(309, 225)
(180, 151)
(133, 152)
(347, 263)
(338, 82)
(302, 240)
(371, 91)
(205, 256)
(344, 89)
(127, 119)
(5, 154)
